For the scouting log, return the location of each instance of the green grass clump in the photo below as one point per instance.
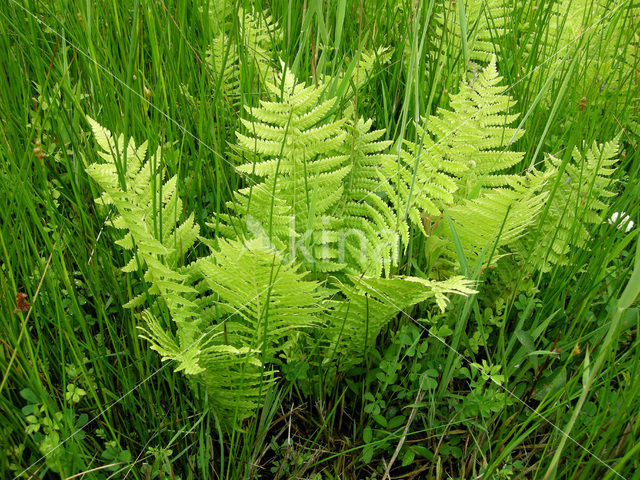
(492, 140)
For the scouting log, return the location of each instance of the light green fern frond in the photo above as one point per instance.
(186, 359)
(473, 138)
(358, 72)
(576, 204)
(404, 291)
(496, 219)
(267, 300)
(236, 382)
(262, 305)
(485, 23)
(234, 377)
(372, 232)
(419, 186)
(159, 243)
(354, 323)
(259, 34)
(459, 152)
(150, 220)
(294, 150)
(149, 217)
(222, 57)
(369, 61)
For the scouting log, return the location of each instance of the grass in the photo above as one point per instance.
(129, 64)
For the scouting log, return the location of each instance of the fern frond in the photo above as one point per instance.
(459, 152)
(267, 300)
(222, 56)
(353, 323)
(486, 23)
(473, 138)
(419, 184)
(577, 203)
(372, 233)
(186, 359)
(151, 224)
(236, 381)
(159, 243)
(294, 150)
(358, 73)
(259, 34)
(495, 219)
(369, 60)
(404, 291)
(150, 218)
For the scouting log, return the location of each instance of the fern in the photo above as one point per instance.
(342, 194)
(150, 222)
(259, 34)
(369, 60)
(496, 219)
(210, 335)
(472, 139)
(237, 314)
(577, 201)
(354, 322)
(295, 154)
(268, 301)
(373, 232)
(323, 182)
(305, 260)
(460, 153)
(235, 378)
(222, 57)
(360, 71)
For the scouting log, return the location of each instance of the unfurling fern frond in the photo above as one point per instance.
(577, 202)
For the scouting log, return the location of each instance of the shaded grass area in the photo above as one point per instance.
(74, 356)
